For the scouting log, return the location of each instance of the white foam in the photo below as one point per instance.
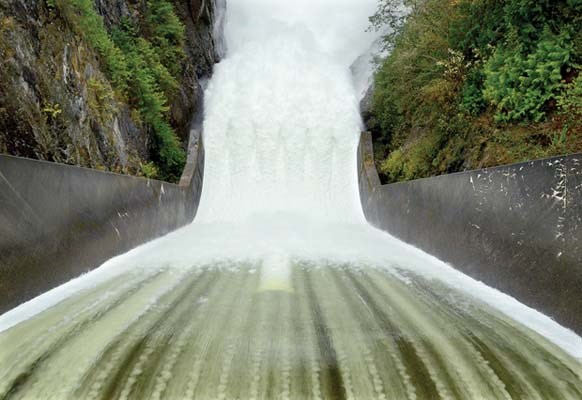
(281, 130)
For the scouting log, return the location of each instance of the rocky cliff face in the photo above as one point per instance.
(56, 101)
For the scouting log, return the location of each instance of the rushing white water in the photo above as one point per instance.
(280, 134)
(282, 120)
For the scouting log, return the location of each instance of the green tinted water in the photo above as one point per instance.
(322, 332)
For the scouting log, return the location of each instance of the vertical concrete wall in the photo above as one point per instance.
(58, 221)
(517, 228)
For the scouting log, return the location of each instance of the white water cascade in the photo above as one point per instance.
(282, 121)
(280, 288)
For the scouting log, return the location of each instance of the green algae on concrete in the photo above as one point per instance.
(331, 332)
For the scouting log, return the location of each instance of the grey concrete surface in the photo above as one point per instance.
(59, 221)
(214, 332)
(517, 228)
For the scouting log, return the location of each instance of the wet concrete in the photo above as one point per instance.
(517, 228)
(336, 332)
(59, 221)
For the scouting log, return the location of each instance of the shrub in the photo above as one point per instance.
(150, 84)
(149, 170)
(459, 68)
(89, 24)
(52, 110)
(520, 86)
(166, 33)
(570, 102)
(393, 166)
(472, 101)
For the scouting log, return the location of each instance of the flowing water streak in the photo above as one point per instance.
(335, 332)
(280, 289)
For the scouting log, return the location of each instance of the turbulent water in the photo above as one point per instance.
(282, 120)
(330, 332)
(279, 289)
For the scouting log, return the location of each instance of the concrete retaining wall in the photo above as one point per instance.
(58, 221)
(517, 228)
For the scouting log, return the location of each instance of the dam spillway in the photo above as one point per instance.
(324, 332)
(279, 288)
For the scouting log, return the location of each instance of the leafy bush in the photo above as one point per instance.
(90, 25)
(478, 28)
(472, 101)
(459, 68)
(149, 170)
(150, 85)
(52, 110)
(570, 102)
(519, 86)
(101, 98)
(393, 166)
(416, 161)
(167, 33)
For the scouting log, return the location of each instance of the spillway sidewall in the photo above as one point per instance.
(517, 228)
(58, 221)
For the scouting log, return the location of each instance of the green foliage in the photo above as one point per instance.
(51, 4)
(478, 28)
(164, 22)
(142, 67)
(519, 86)
(167, 33)
(393, 166)
(570, 102)
(419, 70)
(150, 85)
(472, 100)
(52, 110)
(90, 25)
(101, 98)
(149, 170)
(457, 69)
(530, 20)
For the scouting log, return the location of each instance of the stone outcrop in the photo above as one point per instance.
(56, 103)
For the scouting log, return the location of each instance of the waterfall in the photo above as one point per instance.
(282, 119)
